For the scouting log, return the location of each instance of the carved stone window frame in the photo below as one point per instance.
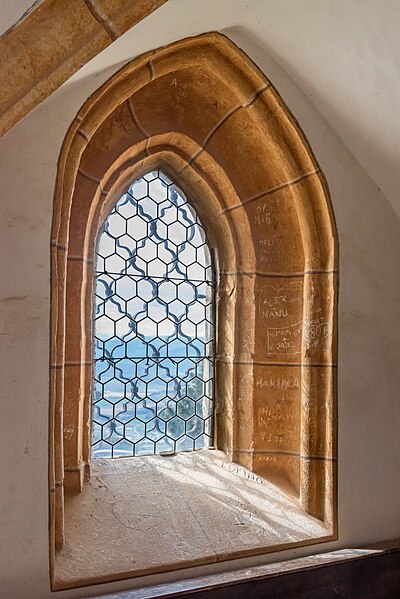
(200, 110)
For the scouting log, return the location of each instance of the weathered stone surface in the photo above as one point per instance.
(157, 507)
(279, 309)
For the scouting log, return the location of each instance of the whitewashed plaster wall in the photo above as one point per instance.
(369, 324)
(12, 11)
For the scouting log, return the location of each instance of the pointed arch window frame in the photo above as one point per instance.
(264, 203)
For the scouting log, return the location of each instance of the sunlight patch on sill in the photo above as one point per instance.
(155, 514)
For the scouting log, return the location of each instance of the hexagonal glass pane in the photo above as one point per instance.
(165, 444)
(175, 428)
(123, 246)
(204, 408)
(156, 430)
(186, 292)
(166, 409)
(145, 289)
(135, 430)
(103, 372)
(196, 314)
(185, 408)
(178, 232)
(125, 287)
(138, 189)
(196, 388)
(106, 245)
(202, 442)
(114, 263)
(148, 250)
(104, 327)
(185, 444)
(145, 447)
(101, 450)
(123, 449)
(156, 310)
(148, 208)
(196, 272)
(145, 410)
(137, 229)
(194, 427)
(126, 206)
(158, 190)
(147, 329)
(166, 329)
(156, 268)
(167, 291)
(124, 411)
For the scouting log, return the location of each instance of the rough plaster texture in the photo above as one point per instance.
(369, 329)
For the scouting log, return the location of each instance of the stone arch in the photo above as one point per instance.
(200, 110)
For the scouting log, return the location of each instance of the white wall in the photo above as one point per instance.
(11, 11)
(369, 352)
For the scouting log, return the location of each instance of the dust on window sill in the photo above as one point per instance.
(154, 514)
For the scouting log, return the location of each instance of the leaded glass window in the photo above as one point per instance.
(153, 325)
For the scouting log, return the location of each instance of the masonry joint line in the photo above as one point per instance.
(103, 19)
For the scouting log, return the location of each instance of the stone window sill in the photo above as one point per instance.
(154, 514)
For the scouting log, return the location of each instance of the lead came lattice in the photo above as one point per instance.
(153, 325)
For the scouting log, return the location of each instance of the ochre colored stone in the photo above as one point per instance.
(279, 467)
(115, 135)
(261, 132)
(124, 15)
(318, 437)
(167, 104)
(279, 303)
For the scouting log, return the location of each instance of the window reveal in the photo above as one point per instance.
(153, 325)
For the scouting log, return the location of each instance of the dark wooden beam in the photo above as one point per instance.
(353, 574)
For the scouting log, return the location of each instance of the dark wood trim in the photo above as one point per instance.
(374, 575)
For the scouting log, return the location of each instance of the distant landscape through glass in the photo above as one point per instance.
(153, 349)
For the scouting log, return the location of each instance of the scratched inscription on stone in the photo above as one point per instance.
(262, 214)
(285, 341)
(317, 333)
(280, 307)
(268, 245)
(267, 250)
(281, 383)
(242, 472)
(280, 301)
(278, 424)
(68, 432)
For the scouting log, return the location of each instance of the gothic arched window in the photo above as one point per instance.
(203, 113)
(153, 325)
